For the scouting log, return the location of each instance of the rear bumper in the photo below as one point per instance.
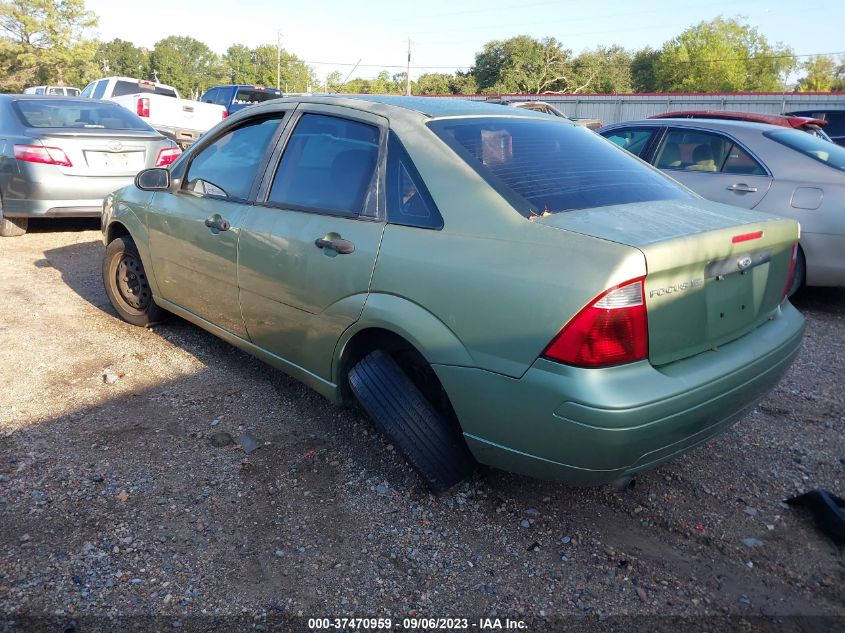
(589, 427)
(825, 258)
(45, 192)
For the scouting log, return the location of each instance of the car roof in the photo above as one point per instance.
(759, 117)
(432, 107)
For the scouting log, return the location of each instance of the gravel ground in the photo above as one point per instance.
(114, 502)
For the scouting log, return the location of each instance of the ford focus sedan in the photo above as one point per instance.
(60, 156)
(755, 166)
(492, 285)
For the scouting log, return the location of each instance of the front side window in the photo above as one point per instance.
(328, 165)
(89, 89)
(227, 168)
(635, 140)
(100, 90)
(548, 166)
(830, 154)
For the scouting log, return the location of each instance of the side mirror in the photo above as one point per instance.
(155, 179)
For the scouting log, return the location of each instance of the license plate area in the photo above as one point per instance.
(115, 161)
(734, 300)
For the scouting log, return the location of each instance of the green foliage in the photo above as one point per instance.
(444, 84)
(722, 55)
(822, 74)
(44, 42)
(120, 57)
(524, 64)
(642, 70)
(258, 66)
(605, 69)
(187, 64)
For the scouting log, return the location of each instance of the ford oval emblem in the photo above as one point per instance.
(743, 262)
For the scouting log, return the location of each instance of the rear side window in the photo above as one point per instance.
(694, 150)
(100, 89)
(63, 113)
(89, 89)
(227, 168)
(635, 140)
(553, 166)
(408, 200)
(830, 154)
(211, 95)
(328, 165)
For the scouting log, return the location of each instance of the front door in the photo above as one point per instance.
(714, 166)
(194, 231)
(308, 248)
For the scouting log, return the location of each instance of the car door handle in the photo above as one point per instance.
(741, 187)
(216, 222)
(342, 247)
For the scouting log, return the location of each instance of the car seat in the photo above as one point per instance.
(702, 157)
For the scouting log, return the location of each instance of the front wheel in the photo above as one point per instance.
(126, 284)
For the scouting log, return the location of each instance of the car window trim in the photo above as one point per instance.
(340, 112)
(657, 133)
(728, 136)
(177, 178)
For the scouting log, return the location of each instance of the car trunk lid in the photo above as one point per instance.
(102, 152)
(714, 272)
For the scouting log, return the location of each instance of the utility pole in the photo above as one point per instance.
(278, 60)
(408, 71)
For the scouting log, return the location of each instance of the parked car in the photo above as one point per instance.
(61, 91)
(548, 108)
(182, 120)
(756, 166)
(491, 285)
(835, 122)
(804, 123)
(60, 156)
(238, 97)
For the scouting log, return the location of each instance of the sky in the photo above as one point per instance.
(445, 35)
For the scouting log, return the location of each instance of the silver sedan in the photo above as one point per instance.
(757, 166)
(61, 156)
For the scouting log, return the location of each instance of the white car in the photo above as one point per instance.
(182, 120)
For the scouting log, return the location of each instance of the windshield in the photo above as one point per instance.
(549, 166)
(65, 113)
(825, 152)
(246, 96)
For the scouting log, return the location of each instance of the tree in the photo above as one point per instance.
(119, 57)
(722, 55)
(822, 75)
(296, 75)
(607, 69)
(240, 64)
(187, 64)
(45, 41)
(444, 83)
(524, 64)
(642, 70)
(333, 81)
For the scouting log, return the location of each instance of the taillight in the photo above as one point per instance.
(610, 330)
(142, 107)
(225, 114)
(167, 156)
(790, 276)
(42, 154)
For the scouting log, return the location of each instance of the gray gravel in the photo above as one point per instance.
(116, 498)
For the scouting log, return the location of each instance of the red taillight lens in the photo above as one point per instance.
(41, 154)
(167, 156)
(612, 329)
(225, 114)
(790, 275)
(143, 106)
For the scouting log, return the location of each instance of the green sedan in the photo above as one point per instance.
(491, 285)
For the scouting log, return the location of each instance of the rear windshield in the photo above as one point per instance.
(548, 166)
(248, 96)
(826, 152)
(64, 113)
(122, 88)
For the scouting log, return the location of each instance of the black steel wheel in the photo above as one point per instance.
(127, 285)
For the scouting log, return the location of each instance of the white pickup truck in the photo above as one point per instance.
(182, 120)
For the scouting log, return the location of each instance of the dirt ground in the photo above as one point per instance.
(115, 504)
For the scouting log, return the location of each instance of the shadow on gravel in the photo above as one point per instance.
(827, 300)
(62, 225)
(80, 265)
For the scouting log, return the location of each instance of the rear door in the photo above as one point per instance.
(194, 231)
(714, 166)
(308, 248)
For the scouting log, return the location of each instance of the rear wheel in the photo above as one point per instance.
(421, 433)
(11, 227)
(127, 285)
